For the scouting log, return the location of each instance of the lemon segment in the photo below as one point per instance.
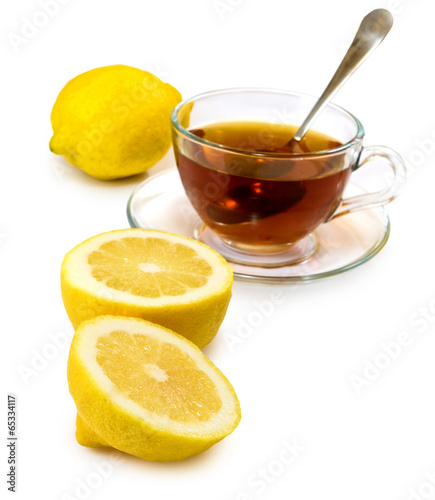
(168, 279)
(145, 390)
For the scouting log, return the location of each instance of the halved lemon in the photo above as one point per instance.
(148, 391)
(165, 278)
(86, 436)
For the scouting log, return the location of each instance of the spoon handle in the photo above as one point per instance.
(373, 29)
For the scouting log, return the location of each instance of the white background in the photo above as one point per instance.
(293, 372)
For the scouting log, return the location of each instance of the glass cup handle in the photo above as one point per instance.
(378, 198)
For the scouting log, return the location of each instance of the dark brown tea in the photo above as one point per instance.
(255, 192)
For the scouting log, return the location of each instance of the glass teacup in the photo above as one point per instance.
(260, 201)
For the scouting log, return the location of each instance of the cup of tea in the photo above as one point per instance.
(259, 197)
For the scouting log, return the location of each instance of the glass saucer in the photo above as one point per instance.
(160, 202)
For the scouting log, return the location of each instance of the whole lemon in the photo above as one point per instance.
(114, 121)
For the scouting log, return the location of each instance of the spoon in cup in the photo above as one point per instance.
(372, 30)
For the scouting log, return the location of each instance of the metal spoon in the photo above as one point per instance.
(251, 206)
(372, 30)
(245, 204)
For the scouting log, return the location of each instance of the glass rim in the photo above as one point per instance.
(327, 152)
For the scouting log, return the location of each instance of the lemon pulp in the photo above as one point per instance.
(149, 267)
(158, 376)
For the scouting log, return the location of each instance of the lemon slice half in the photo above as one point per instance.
(148, 391)
(165, 278)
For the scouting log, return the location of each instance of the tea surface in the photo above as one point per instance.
(264, 137)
